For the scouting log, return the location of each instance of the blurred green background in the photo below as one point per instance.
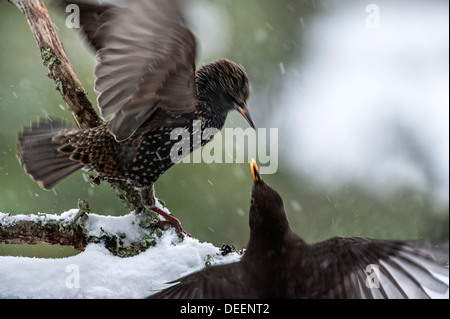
(211, 200)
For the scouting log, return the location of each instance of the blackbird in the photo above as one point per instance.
(148, 86)
(279, 264)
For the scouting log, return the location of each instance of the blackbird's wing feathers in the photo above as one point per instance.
(217, 282)
(146, 62)
(336, 268)
(348, 268)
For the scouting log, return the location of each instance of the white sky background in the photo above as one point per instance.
(371, 105)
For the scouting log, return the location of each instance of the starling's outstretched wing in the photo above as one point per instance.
(217, 282)
(92, 17)
(146, 62)
(355, 267)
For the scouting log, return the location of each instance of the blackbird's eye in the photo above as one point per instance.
(252, 202)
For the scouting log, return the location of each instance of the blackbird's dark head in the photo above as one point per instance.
(266, 208)
(224, 86)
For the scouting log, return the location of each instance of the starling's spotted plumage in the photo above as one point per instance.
(279, 264)
(148, 86)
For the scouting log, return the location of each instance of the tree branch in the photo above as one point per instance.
(55, 59)
(78, 228)
(33, 232)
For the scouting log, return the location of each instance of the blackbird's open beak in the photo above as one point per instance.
(255, 172)
(245, 113)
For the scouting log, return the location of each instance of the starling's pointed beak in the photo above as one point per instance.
(255, 172)
(245, 113)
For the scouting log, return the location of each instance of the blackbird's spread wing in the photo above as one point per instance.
(146, 62)
(349, 267)
(217, 282)
(355, 267)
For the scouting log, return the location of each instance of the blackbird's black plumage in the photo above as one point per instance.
(279, 264)
(147, 86)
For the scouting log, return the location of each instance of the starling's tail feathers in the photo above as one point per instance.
(43, 153)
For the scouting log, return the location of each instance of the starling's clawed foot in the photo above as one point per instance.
(171, 221)
(149, 200)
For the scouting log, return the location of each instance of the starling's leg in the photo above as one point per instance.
(148, 199)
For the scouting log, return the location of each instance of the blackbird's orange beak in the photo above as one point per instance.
(255, 172)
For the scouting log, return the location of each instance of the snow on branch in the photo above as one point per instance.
(153, 257)
(123, 236)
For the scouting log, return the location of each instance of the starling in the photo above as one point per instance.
(279, 264)
(148, 86)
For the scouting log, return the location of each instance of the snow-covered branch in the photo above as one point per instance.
(154, 257)
(38, 229)
(123, 236)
